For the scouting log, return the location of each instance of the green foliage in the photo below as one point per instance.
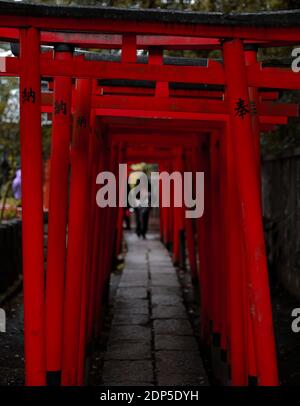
(9, 130)
(224, 6)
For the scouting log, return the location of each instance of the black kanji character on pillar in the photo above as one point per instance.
(60, 107)
(81, 122)
(28, 95)
(241, 108)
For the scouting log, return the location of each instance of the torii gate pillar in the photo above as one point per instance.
(250, 212)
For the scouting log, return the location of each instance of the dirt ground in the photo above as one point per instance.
(287, 342)
(11, 344)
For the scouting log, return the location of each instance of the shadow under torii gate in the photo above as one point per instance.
(206, 114)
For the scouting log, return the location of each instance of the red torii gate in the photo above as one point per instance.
(61, 318)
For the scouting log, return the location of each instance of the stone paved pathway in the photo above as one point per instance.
(151, 341)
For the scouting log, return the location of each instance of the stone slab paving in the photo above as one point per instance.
(168, 312)
(167, 342)
(151, 341)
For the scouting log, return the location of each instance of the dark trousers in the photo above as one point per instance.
(141, 219)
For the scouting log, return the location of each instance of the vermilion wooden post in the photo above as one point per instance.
(120, 211)
(178, 227)
(223, 309)
(156, 58)
(175, 237)
(102, 254)
(170, 210)
(248, 328)
(32, 208)
(166, 213)
(128, 48)
(76, 231)
(167, 227)
(181, 215)
(249, 197)
(94, 275)
(57, 223)
(162, 217)
(251, 59)
(203, 235)
(215, 262)
(94, 156)
(86, 275)
(113, 219)
(107, 233)
(110, 241)
(189, 227)
(96, 246)
(234, 266)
